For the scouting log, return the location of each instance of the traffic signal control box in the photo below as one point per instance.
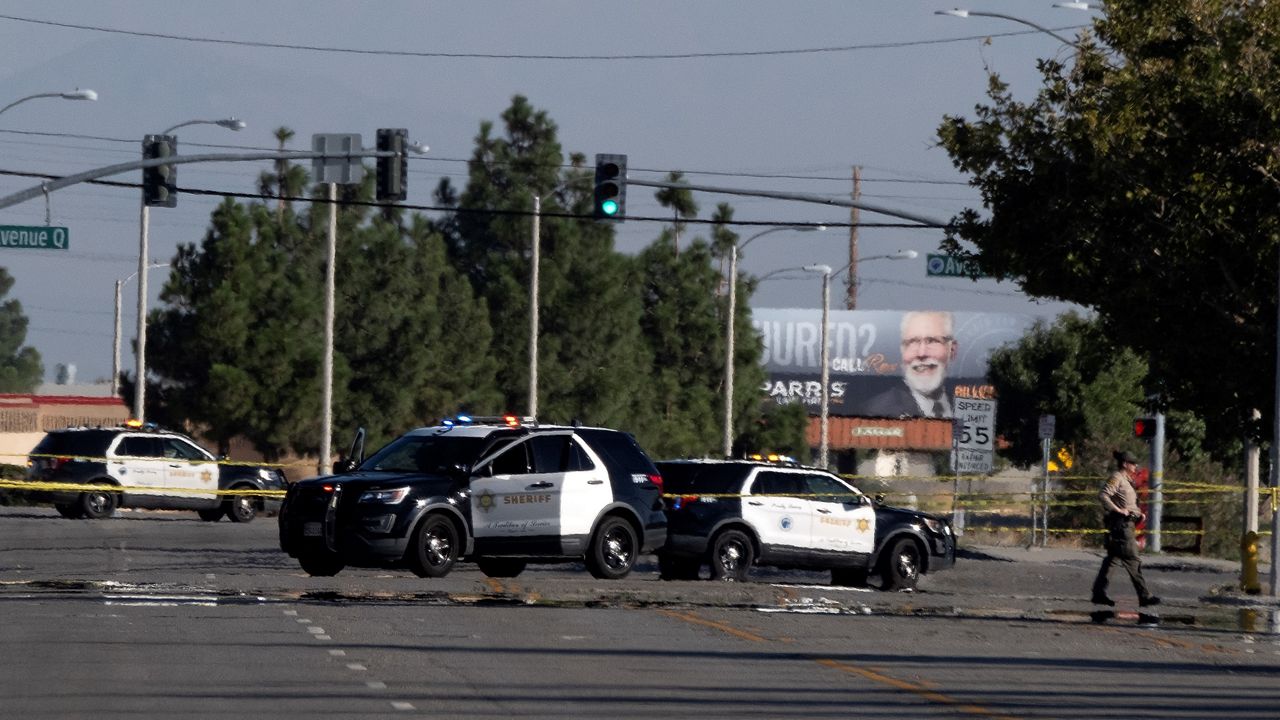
(160, 183)
(610, 200)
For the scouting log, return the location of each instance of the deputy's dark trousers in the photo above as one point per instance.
(1122, 548)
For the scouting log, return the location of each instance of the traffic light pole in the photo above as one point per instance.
(1157, 485)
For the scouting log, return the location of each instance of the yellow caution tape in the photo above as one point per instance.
(111, 487)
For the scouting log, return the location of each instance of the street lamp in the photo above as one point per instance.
(144, 222)
(962, 13)
(115, 345)
(732, 316)
(76, 94)
(824, 374)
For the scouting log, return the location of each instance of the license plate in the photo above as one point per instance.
(311, 529)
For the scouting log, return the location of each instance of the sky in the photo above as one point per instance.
(748, 94)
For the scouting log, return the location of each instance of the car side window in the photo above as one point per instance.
(828, 489)
(578, 458)
(138, 446)
(550, 453)
(182, 450)
(776, 483)
(514, 461)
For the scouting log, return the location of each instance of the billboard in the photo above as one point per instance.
(883, 363)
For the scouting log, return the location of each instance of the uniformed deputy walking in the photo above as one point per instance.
(1120, 503)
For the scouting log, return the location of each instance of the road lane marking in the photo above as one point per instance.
(356, 666)
(878, 677)
(376, 685)
(338, 653)
(401, 705)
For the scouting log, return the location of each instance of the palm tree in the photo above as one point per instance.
(681, 202)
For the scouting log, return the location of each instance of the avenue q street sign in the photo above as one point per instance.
(950, 266)
(975, 424)
(38, 237)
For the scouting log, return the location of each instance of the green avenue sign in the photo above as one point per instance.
(950, 266)
(37, 237)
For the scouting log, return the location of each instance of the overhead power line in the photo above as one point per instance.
(515, 56)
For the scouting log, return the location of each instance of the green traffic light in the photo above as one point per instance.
(609, 207)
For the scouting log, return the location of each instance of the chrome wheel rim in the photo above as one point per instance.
(242, 507)
(96, 502)
(439, 547)
(731, 556)
(617, 549)
(907, 565)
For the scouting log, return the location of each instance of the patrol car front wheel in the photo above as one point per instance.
(241, 508)
(731, 556)
(434, 548)
(900, 569)
(613, 549)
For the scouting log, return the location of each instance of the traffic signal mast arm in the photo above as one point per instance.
(109, 170)
(799, 197)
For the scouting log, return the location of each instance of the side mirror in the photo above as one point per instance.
(880, 497)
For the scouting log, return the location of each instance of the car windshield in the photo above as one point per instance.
(426, 454)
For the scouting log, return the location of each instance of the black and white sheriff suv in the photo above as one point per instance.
(498, 491)
(732, 514)
(149, 468)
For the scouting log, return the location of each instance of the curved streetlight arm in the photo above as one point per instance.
(71, 95)
(230, 123)
(961, 13)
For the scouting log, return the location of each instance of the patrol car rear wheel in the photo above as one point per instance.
(435, 547)
(613, 549)
(731, 556)
(320, 563)
(900, 569)
(241, 508)
(97, 503)
(501, 567)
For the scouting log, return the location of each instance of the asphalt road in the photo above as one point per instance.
(158, 615)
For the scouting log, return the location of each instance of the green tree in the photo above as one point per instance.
(1143, 181)
(591, 355)
(20, 368)
(682, 205)
(1072, 370)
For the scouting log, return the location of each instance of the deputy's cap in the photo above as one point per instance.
(1125, 456)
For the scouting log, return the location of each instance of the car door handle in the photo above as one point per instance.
(757, 503)
(824, 511)
(595, 482)
(540, 485)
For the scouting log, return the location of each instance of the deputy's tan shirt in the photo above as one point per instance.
(1119, 496)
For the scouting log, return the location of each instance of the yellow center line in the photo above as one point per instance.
(879, 677)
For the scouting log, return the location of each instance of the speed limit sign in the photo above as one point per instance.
(975, 424)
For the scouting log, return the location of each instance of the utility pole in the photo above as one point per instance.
(851, 293)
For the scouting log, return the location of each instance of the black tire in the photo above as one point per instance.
(98, 503)
(672, 567)
(731, 556)
(320, 562)
(501, 567)
(70, 512)
(212, 514)
(241, 508)
(900, 568)
(849, 577)
(435, 547)
(613, 549)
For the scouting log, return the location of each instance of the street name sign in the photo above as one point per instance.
(950, 266)
(37, 237)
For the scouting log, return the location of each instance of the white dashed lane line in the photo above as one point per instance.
(318, 633)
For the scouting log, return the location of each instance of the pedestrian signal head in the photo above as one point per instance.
(1144, 427)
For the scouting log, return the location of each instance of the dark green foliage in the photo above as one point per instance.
(776, 428)
(1072, 370)
(1142, 182)
(20, 368)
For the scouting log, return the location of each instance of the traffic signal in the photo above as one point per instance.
(1144, 427)
(611, 188)
(160, 184)
(393, 172)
